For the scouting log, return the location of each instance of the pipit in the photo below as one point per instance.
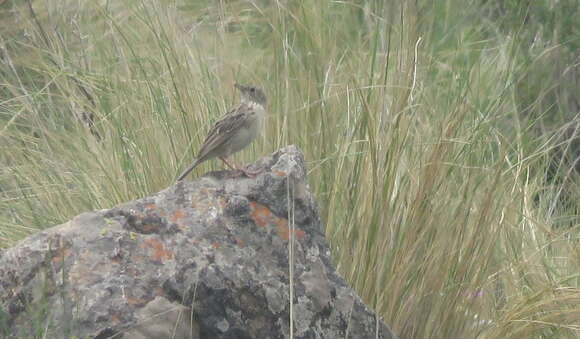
(234, 131)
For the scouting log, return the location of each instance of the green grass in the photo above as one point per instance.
(441, 137)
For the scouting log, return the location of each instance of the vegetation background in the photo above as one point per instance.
(442, 136)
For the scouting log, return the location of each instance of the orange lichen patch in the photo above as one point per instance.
(284, 230)
(216, 245)
(116, 259)
(59, 255)
(261, 215)
(149, 228)
(176, 216)
(299, 234)
(115, 318)
(279, 173)
(240, 242)
(159, 252)
(135, 301)
(150, 206)
(222, 203)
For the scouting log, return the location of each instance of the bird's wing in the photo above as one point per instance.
(222, 130)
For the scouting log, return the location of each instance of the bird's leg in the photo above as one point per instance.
(250, 173)
(247, 172)
(225, 160)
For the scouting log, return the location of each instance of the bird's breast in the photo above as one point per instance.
(245, 135)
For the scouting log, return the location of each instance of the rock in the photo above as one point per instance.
(201, 259)
(161, 318)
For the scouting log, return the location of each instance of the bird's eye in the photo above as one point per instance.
(252, 89)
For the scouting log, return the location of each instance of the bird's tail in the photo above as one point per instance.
(189, 169)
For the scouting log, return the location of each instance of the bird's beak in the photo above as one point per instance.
(238, 86)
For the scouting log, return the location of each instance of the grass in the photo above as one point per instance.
(442, 137)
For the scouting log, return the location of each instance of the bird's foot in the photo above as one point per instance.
(251, 173)
(242, 170)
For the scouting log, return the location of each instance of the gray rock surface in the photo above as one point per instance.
(201, 259)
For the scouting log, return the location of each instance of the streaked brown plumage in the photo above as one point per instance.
(234, 131)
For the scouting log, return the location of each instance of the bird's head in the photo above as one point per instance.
(252, 93)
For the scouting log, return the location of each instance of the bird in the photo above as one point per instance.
(234, 131)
